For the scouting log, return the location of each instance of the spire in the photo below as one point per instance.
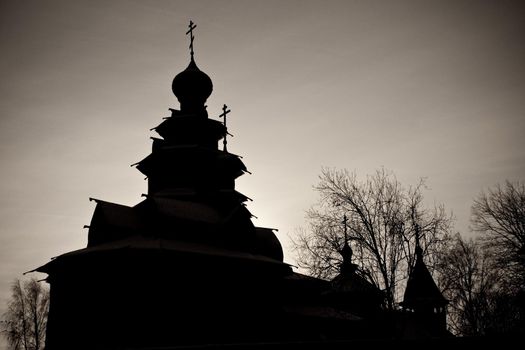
(418, 250)
(421, 290)
(345, 221)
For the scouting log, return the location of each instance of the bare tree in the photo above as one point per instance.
(383, 220)
(499, 216)
(26, 317)
(468, 282)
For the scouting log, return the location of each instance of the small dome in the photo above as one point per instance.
(268, 244)
(192, 88)
(346, 265)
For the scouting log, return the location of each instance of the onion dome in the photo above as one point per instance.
(347, 267)
(192, 88)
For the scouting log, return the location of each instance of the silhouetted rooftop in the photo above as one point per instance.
(421, 289)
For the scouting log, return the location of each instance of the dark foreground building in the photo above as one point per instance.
(187, 267)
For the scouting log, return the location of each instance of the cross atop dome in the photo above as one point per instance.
(192, 86)
(191, 27)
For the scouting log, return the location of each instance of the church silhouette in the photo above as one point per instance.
(186, 267)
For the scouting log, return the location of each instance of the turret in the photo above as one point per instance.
(351, 291)
(422, 296)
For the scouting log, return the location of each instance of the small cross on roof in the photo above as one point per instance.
(225, 111)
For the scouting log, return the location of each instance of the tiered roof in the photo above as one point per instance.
(191, 199)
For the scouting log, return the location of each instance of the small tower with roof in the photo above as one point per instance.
(422, 297)
(350, 291)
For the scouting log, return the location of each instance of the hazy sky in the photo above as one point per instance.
(430, 89)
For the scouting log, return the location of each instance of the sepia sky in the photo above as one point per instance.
(432, 89)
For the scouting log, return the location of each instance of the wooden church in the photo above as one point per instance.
(187, 267)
